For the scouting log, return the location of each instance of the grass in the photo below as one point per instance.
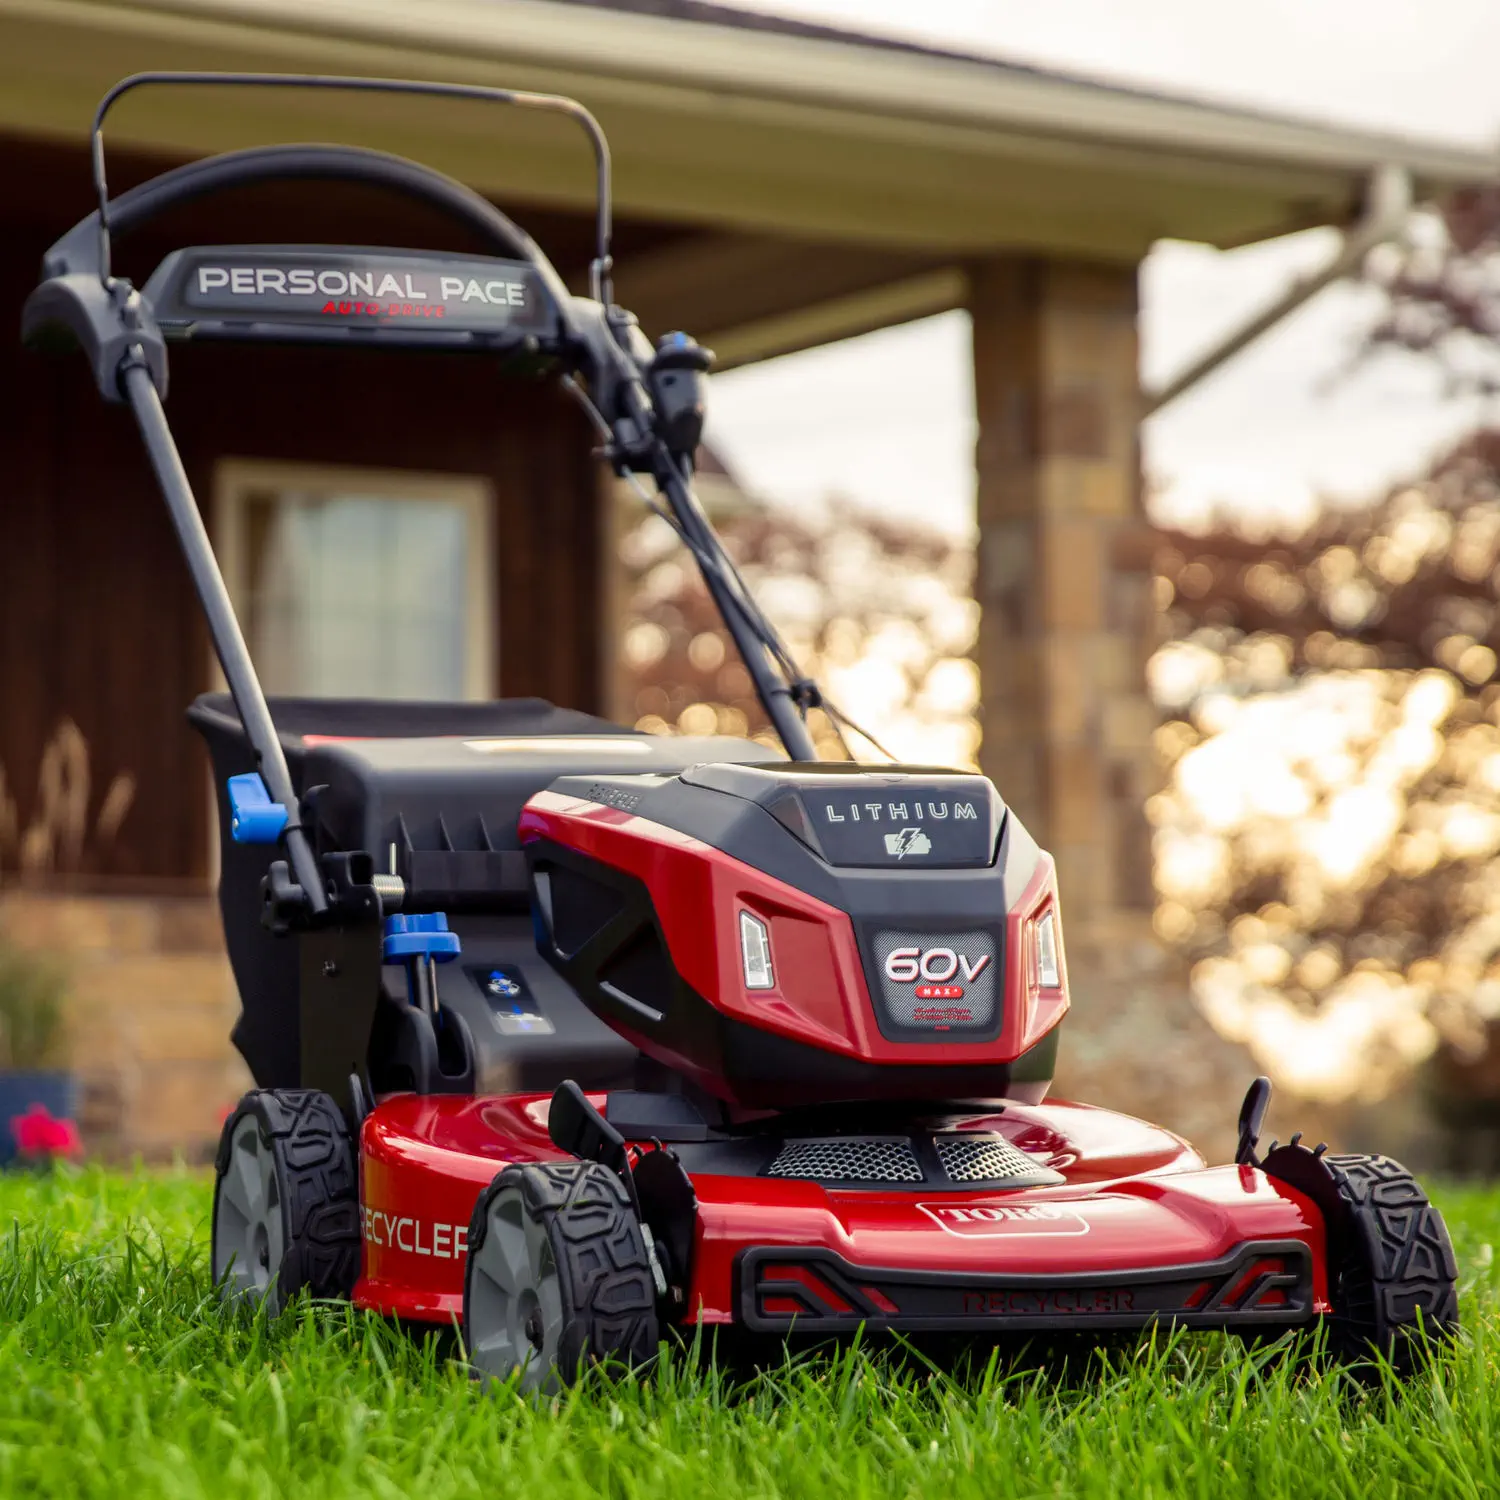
(121, 1376)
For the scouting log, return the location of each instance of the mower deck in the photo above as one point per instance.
(1137, 1229)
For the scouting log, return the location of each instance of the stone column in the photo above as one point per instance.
(1064, 580)
(1065, 570)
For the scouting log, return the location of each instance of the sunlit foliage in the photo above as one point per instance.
(1326, 841)
(879, 613)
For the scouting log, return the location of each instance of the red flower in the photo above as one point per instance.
(38, 1134)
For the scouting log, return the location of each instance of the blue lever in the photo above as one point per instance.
(419, 935)
(253, 817)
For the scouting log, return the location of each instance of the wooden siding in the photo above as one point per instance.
(98, 625)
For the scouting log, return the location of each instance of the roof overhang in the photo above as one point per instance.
(906, 163)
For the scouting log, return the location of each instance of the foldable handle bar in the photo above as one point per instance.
(116, 327)
(137, 385)
(600, 287)
(80, 249)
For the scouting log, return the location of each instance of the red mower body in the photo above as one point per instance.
(1136, 1230)
(787, 935)
(817, 990)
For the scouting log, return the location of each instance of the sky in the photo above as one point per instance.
(1275, 430)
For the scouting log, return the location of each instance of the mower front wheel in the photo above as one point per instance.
(1395, 1279)
(1391, 1270)
(286, 1200)
(558, 1276)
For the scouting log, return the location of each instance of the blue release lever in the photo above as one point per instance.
(419, 935)
(253, 817)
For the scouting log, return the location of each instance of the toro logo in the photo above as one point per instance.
(988, 1221)
(936, 968)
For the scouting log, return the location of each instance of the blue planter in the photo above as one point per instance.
(54, 1089)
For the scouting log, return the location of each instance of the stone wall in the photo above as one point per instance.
(152, 1004)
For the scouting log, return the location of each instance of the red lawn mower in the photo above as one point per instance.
(566, 1034)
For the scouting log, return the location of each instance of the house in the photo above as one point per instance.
(778, 185)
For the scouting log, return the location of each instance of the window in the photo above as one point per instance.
(360, 583)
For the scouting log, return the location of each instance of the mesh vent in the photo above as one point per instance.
(842, 1159)
(982, 1158)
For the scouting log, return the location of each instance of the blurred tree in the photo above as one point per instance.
(1442, 291)
(1326, 841)
(878, 612)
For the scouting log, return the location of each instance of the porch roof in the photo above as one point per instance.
(817, 183)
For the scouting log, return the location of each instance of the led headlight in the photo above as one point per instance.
(755, 949)
(1048, 970)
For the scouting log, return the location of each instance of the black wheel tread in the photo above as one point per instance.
(319, 1174)
(609, 1298)
(1402, 1274)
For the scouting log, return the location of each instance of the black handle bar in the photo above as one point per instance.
(81, 247)
(599, 272)
(117, 328)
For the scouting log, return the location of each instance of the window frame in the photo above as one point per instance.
(237, 479)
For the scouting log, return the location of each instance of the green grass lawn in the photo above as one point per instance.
(120, 1376)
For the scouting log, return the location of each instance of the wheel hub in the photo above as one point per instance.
(248, 1235)
(514, 1302)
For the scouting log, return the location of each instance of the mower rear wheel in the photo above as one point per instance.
(558, 1276)
(286, 1200)
(1393, 1277)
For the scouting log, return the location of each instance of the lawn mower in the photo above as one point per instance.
(567, 1034)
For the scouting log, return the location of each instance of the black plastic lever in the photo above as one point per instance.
(1252, 1118)
(582, 1131)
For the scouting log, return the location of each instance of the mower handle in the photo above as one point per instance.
(600, 287)
(85, 247)
(654, 429)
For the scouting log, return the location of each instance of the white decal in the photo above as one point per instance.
(939, 964)
(908, 841)
(905, 965)
(902, 966)
(987, 1221)
(496, 293)
(246, 281)
(415, 1236)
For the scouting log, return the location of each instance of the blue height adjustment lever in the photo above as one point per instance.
(253, 817)
(421, 941)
